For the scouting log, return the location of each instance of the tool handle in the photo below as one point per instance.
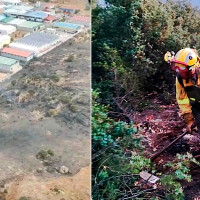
(153, 157)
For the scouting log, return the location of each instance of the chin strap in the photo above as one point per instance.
(194, 77)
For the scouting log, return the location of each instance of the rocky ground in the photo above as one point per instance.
(45, 123)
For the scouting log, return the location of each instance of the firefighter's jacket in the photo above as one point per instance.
(188, 95)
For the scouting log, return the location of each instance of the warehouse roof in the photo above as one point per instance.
(2, 17)
(37, 39)
(7, 27)
(7, 61)
(16, 21)
(12, 11)
(66, 25)
(29, 24)
(7, 19)
(80, 18)
(50, 18)
(69, 7)
(16, 52)
(22, 7)
(36, 14)
(11, 1)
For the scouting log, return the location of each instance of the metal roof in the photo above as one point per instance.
(7, 27)
(16, 52)
(2, 17)
(36, 14)
(7, 19)
(22, 7)
(7, 61)
(29, 24)
(16, 21)
(66, 25)
(12, 11)
(37, 39)
(80, 18)
(11, 1)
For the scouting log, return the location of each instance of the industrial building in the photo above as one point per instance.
(29, 26)
(50, 19)
(17, 11)
(4, 40)
(7, 29)
(6, 20)
(2, 16)
(37, 16)
(9, 65)
(11, 2)
(17, 54)
(67, 27)
(25, 12)
(81, 20)
(69, 9)
(37, 42)
(16, 21)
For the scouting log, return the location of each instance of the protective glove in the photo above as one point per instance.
(189, 120)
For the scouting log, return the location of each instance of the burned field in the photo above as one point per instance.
(46, 108)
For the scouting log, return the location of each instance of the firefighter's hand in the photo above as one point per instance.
(189, 120)
(189, 127)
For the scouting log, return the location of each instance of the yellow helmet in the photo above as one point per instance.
(186, 57)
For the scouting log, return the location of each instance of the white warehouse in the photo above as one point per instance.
(8, 65)
(11, 2)
(4, 40)
(7, 29)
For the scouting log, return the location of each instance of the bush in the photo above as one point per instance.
(71, 58)
(44, 154)
(52, 113)
(55, 77)
(73, 108)
(13, 83)
(65, 99)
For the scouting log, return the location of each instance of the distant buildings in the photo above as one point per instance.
(17, 54)
(37, 16)
(11, 2)
(29, 26)
(67, 27)
(9, 65)
(37, 42)
(4, 40)
(82, 20)
(7, 29)
(68, 9)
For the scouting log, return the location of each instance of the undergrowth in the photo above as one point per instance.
(118, 158)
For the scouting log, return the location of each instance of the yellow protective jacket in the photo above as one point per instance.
(182, 96)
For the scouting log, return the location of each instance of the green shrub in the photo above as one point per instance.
(55, 77)
(71, 58)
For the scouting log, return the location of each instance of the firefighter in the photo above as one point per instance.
(186, 64)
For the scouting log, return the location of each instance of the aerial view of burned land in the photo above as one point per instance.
(45, 101)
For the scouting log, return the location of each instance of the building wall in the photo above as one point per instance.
(31, 30)
(5, 42)
(9, 69)
(24, 59)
